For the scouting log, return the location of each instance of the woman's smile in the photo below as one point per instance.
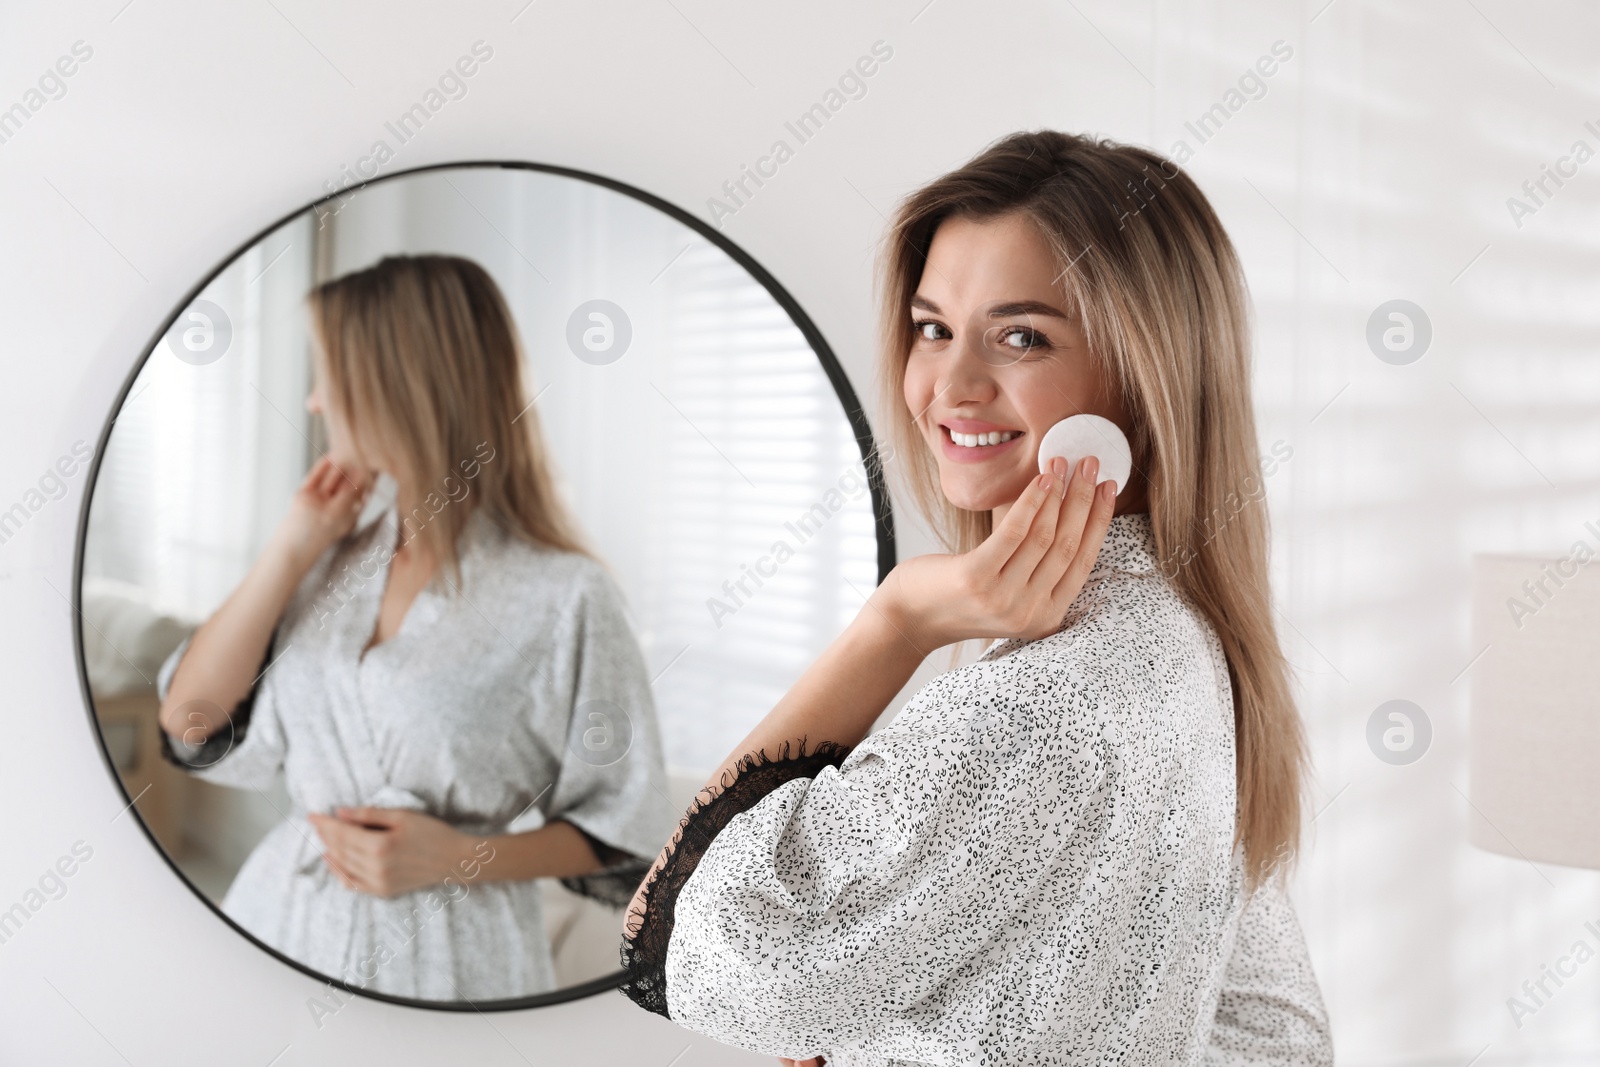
(972, 441)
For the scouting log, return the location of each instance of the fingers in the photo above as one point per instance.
(341, 871)
(331, 486)
(1053, 536)
(369, 817)
(1070, 519)
(340, 482)
(333, 839)
(322, 479)
(325, 827)
(1097, 522)
(347, 860)
(313, 478)
(327, 478)
(1014, 546)
(360, 845)
(338, 834)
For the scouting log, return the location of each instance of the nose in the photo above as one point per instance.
(966, 374)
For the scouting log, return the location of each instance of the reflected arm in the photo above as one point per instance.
(225, 654)
(556, 850)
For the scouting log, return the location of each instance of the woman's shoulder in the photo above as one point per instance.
(1132, 666)
(1130, 614)
(1130, 625)
(513, 561)
(1137, 623)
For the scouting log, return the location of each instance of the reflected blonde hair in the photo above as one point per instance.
(1162, 301)
(421, 359)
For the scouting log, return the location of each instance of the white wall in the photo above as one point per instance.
(1376, 166)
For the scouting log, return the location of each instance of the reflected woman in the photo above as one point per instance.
(451, 690)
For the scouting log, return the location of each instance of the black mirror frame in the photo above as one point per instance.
(882, 516)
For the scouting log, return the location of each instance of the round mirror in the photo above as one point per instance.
(437, 550)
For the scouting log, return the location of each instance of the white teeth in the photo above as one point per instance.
(976, 440)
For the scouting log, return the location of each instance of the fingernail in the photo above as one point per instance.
(1091, 467)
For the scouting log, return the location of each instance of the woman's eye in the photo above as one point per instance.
(928, 330)
(1022, 338)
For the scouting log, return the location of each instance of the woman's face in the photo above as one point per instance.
(994, 352)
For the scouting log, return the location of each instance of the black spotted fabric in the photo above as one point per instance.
(647, 935)
(1032, 864)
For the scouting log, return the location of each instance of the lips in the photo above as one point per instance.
(975, 441)
(975, 426)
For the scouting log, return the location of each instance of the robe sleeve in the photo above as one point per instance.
(1270, 1009)
(644, 945)
(248, 752)
(841, 902)
(612, 784)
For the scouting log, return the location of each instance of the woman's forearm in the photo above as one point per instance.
(838, 699)
(842, 694)
(556, 850)
(225, 653)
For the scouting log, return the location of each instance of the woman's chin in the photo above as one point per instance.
(975, 498)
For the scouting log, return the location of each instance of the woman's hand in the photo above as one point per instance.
(323, 509)
(815, 1061)
(389, 851)
(1020, 581)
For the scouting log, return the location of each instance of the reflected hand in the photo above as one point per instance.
(389, 851)
(324, 508)
(1020, 581)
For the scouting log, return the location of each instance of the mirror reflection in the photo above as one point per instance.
(441, 547)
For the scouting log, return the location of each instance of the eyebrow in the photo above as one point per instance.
(1024, 307)
(999, 311)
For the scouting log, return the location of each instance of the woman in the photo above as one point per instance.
(1071, 850)
(452, 690)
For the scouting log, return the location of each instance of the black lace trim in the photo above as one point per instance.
(222, 741)
(618, 877)
(647, 934)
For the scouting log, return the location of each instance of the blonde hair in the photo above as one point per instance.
(1162, 301)
(421, 359)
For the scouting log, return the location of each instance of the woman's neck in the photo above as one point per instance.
(408, 540)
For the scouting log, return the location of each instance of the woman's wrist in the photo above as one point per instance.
(847, 688)
(888, 624)
(888, 604)
(558, 849)
(289, 553)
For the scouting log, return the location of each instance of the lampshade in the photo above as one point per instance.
(1535, 732)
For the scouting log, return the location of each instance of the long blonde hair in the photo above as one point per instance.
(1163, 304)
(422, 361)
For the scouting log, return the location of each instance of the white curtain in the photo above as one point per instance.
(204, 456)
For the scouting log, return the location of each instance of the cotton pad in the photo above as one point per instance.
(1088, 435)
